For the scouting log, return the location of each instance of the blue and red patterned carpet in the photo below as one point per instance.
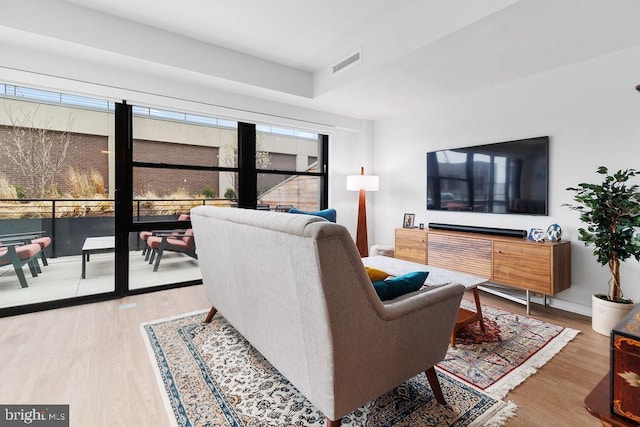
(210, 376)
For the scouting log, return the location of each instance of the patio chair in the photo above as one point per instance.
(44, 243)
(183, 243)
(19, 254)
(144, 235)
(30, 237)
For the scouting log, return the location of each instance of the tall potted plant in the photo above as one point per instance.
(611, 212)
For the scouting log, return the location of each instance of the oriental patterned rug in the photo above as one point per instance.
(210, 376)
(511, 349)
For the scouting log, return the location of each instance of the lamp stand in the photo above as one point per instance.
(362, 183)
(361, 231)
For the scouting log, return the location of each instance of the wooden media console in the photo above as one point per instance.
(539, 267)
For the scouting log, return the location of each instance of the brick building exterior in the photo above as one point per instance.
(156, 141)
(85, 152)
(88, 152)
(166, 181)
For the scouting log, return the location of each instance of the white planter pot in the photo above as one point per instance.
(605, 315)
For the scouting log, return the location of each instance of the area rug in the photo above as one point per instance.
(210, 376)
(511, 349)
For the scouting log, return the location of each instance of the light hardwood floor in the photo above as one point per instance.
(93, 358)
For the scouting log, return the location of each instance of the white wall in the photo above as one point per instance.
(348, 151)
(591, 112)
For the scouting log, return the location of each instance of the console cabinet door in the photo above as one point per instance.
(411, 245)
(466, 254)
(522, 265)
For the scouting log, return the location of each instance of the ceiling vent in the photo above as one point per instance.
(347, 62)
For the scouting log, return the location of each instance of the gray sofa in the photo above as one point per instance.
(295, 287)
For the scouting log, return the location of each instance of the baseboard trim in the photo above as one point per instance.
(519, 296)
(572, 307)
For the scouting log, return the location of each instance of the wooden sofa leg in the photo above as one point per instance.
(335, 423)
(210, 315)
(435, 385)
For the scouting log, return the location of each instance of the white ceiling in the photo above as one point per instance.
(413, 51)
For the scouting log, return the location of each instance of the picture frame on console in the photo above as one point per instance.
(409, 220)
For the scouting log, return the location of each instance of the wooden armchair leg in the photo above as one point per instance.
(335, 423)
(210, 315)
(435, 385)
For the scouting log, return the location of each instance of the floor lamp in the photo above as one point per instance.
(362, 183)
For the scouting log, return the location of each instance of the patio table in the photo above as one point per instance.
(96, 245)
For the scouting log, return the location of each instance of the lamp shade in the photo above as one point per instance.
(362, 182)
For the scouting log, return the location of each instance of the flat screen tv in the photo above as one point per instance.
(506, 177)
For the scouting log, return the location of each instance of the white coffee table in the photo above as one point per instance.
(96, 245)
(437, 277)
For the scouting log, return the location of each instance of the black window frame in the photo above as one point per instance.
(123, 194)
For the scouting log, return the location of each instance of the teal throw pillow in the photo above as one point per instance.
(396, 286)
(328, 214)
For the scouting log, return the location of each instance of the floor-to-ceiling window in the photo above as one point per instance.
(110, 174)
(180, 160)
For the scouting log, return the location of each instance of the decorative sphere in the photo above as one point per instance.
(554, 232)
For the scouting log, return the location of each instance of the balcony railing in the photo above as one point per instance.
(69, 221)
